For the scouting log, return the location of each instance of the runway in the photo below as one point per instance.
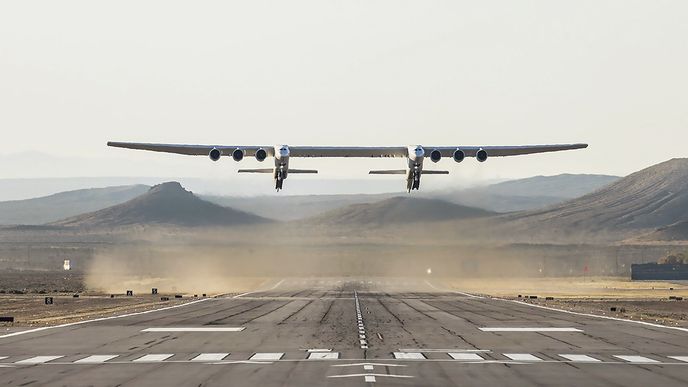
(345, 332)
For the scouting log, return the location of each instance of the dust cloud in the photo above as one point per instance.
(216, 261)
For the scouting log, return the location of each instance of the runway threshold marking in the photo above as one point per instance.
(96, 359)
(522, 357)
(154, 358)
(580, 358)
(515, 329)
(268, 356)
(210, 357)
(38, 359)
(679, 358)
(323, 356)
(192, 329)
(465, 356)
(409, 355)
(636, 359)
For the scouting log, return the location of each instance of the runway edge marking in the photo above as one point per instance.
(259, 290)
(571, 312)
(102, 319)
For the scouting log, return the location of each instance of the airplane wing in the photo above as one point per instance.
(193, 150)
(500, 151)
(342, 151)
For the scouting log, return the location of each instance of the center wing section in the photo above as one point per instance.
(343, 151)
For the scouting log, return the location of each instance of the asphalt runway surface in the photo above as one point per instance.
(344, 332)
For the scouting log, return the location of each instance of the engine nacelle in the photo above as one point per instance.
(481, 155)
(215, 154)
(238, 154)
(459, 155)
(435, 155)
(261, 155)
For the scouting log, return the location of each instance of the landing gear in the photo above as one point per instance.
(279, 180)
(414, 181)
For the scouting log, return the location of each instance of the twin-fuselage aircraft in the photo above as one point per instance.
(415, 155)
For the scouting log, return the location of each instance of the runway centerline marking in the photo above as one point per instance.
(194, 329)
(523, 329)
(95, 359)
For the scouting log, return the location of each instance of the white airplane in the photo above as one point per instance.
(414, 154)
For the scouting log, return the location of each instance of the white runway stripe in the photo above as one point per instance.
(507, 329)
(267, 356)
(95, 359)
(409, 355)
(210, 357)
(522, 357)
(3, 357)
(323, 356)
(154, 357)
(190, 329)
(636, 359)
(680, 358)
(369, 379)
(580, 358)
(465, 356)
(38, 360)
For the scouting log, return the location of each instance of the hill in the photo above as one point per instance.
(66, 204)
(675, 232)
(529, 193)
(651, 198)
(164, 204)
(398, 210)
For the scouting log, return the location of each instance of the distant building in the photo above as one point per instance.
(655, 271)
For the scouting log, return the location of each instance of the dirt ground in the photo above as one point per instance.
(22, 296)
(649, 301)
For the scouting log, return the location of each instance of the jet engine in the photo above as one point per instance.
(238, 154)
(215, 154)
(481, 155)
(459, 155)
(435, 156)
(261, 154)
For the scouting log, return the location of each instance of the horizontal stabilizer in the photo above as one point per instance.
(302, 171)
(426, 172)
(261, 170)
(389, 172)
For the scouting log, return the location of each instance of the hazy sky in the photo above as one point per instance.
(75, 74)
